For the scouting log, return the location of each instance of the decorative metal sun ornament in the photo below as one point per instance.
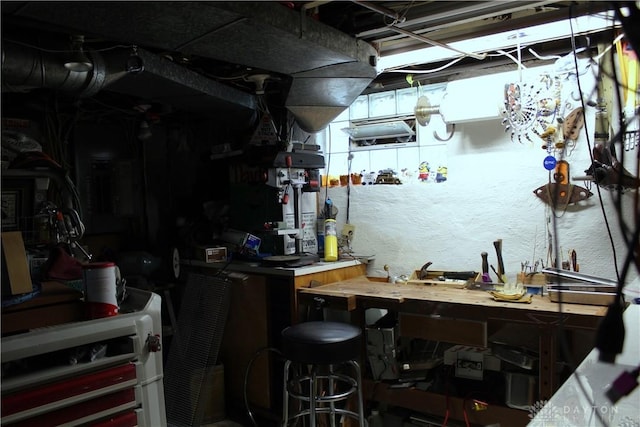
(531, 107)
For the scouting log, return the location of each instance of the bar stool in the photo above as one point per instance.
(321, 348)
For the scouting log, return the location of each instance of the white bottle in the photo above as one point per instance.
(375, 419)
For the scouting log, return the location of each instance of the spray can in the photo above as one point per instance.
(330, 240)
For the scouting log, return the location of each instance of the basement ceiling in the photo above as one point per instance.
(314, 58)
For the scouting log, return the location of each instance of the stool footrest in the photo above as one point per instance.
(327, 397)
(337, 411)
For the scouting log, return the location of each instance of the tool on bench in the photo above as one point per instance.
(501, 276)
(497, 274)
(423, 274)
(573, 255)
(485, 268)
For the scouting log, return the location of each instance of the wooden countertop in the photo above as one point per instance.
(370, 291)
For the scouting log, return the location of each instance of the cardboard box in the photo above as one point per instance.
(471, 362)
(15, 266)
(211, 254)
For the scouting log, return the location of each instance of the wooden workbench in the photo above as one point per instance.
(453, 315)
(263, 302)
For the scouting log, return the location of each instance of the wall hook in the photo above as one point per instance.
(451, 128)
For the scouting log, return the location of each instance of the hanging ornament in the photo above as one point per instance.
(561, 192)
(531, 107)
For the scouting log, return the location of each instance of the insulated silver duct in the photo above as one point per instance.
(25, 68)
(157, 79)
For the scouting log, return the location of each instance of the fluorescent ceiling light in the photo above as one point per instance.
(500, 41)
(392, 129)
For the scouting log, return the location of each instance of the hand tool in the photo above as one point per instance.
(574, 260)
(500, 279)
(498, 245)
(459, 275)
(485, 267)
(423, 270)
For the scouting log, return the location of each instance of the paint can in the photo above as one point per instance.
(100, 292)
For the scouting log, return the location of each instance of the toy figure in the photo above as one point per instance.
(369, 177)
(423, 171)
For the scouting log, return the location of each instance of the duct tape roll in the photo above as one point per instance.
(100, 292)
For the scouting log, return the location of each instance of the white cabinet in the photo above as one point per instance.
(97, 372)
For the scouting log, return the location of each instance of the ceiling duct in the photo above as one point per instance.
(166, 82)
(158, 79)
(25, 68)
(329, 69)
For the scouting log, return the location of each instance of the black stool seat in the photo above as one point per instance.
(321, 343)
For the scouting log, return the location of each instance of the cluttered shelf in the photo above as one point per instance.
(475, 411)
(438, 312)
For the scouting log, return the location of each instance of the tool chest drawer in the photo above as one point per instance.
(65, 393)
(83, 413)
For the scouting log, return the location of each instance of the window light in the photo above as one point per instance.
(500, 41)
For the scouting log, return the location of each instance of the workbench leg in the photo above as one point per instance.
(548, 373)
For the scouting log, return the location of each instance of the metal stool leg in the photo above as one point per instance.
(313, 393)
(322, 396)
(360, 402)
(332, 405)
(285, 394)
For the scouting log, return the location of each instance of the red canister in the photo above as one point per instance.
(99, 282)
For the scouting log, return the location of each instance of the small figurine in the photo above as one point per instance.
(387, 176)
(441, 174)
(368, 177)
(423, 171)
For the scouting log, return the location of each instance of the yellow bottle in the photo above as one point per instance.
(330, 240)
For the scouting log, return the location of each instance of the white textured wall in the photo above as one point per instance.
(488, 195)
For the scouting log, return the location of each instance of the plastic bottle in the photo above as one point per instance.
(330, 240)
(375, 419)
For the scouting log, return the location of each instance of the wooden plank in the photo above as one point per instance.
(338, 302)
(42, 316)
(51, 293)
(548, 381)
(330, 276)
(57, 303)
(454, 331)
(14, 260)
(363, 287)
(324, 277)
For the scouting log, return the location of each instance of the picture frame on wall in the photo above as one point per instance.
(17, 203)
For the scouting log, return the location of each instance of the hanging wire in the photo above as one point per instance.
(434, 70)
(349, 161)
(42, 49)
(328, 151)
